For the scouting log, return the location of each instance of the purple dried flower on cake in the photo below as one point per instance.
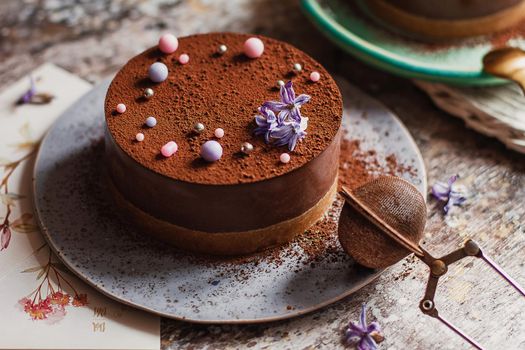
(266, 122)
(364, 336)
(289, 126)
(289, 133)
(452, 192)
(289, 106)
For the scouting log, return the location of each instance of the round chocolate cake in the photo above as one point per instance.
(449, 19)
(223, 143)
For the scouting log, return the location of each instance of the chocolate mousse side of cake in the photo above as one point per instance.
(223, 143)
(448, 19)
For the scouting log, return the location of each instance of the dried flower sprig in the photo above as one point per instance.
(8, 199)
(5, 231)
(49, 302)
(362, 335)
(31, 96)
(452, 192)
(289, 126)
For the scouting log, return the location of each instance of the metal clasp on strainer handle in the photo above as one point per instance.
(439, 267)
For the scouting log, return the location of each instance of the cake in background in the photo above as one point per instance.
(446, 20)
(223, 143)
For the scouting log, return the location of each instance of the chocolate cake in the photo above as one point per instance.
(448, 19)
(223, 143)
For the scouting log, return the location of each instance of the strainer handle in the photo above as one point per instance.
(502, 273)
(459, 332)
(438, 267)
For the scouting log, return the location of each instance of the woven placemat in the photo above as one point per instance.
(496, 111)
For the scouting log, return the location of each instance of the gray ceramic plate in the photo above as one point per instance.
(82, 227)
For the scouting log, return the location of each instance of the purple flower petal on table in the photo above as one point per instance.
(454, 199)
(28, 95)
(373, 327)
(353, 339)
(362, 316)
(440, 191)
(362, 335)
(447, 207)
(353, 330)
(356, 328)
(452, 179)
(451, 192)
(367, 343)
(33, 97)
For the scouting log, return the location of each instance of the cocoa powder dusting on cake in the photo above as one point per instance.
(219, 91)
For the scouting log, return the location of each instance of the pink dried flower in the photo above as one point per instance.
(56, 315)
(60, 299)
(25, 304)
(80, 300)
(41, 310)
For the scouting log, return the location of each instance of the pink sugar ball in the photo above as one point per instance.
(121, 108)
(315, 76)
(253, 47)
(139, 137)
(168, 43)
(219, 133)
(184, 58)
(169, 149)
(284, 158)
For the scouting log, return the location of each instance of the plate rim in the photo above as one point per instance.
(283, 317)
(72, 269)
(381, 58)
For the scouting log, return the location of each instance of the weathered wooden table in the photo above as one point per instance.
(96, 38)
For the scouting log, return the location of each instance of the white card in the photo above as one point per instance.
(64, 313)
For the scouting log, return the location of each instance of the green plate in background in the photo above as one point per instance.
(347, 26)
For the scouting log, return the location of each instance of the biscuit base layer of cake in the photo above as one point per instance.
(245, 201)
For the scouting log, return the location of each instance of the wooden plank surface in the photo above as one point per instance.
(95, 39)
